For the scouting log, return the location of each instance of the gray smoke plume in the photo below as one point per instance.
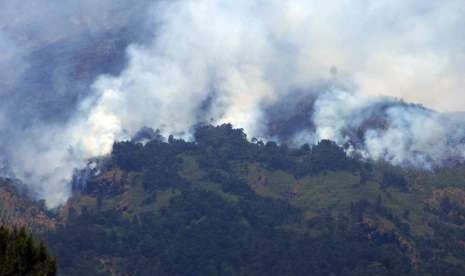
(51, 53)
(91, 72)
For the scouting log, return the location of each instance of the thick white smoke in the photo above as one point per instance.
(394, 131)
(227, 61)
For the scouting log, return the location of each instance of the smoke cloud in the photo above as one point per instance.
(93, 72)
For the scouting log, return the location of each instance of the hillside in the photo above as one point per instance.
(17, 209)
(225, 206)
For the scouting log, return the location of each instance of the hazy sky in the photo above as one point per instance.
(77, 75)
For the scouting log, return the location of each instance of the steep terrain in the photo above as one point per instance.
(17, 209)
(225, 206)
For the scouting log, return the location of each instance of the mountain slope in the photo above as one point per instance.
(225, 206)
(18, 210)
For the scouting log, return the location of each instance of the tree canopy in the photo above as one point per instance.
(21, 255)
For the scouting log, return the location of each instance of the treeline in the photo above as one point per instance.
(217, 146)
(220, 226)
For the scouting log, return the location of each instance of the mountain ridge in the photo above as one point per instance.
(166, 191)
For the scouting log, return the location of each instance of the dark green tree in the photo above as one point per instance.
(21, 255)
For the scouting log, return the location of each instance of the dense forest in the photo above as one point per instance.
(21, 255)
(223, 204)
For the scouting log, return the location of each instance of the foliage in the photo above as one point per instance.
(221, 205)
(21, 255)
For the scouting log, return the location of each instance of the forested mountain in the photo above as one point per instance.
(224, 205)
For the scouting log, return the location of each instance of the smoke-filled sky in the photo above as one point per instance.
(77, 75)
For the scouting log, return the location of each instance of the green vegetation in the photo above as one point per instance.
(21, 255)
(222, 205)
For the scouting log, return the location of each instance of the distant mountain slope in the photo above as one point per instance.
(18, 210)
(225, 206)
